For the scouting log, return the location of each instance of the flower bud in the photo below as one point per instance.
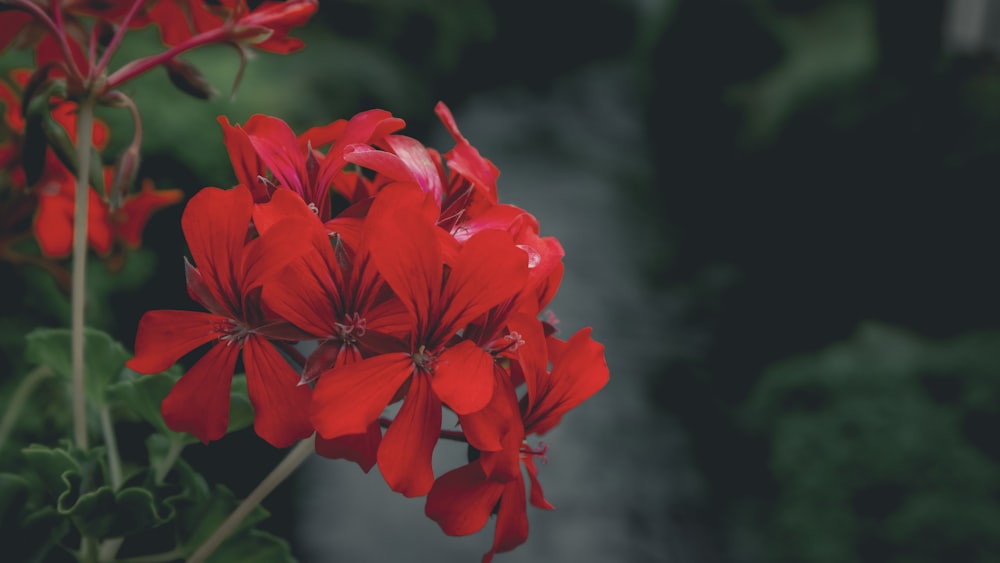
(189, 79)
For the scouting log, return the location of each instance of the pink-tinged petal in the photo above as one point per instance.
(488, 270)
(463, 377)
(578, 371)
(163, 337)
(280, 404)
(419, 162)
(404, 457)
(382, 162)
(405, 247)
(215, 224)
(536, 497)
(275, 143)
(199, 402)
(462, 500)
(349, 398)
(512, 519)
(359, 448)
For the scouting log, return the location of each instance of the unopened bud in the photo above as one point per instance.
(125, 172)
(189, 79)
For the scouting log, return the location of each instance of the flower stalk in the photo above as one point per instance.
(85, 125)
(285, 467)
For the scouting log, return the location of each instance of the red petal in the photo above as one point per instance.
(246, 164)
(512, 519)
(404, 458)
(405, 248)
(280, 404)
(199, 402)
(463, 377)
(349, 398)
(536, 496)
(488, 270)
(359, 448)
(418, 161)
(462, 500)
(578, 371)
(216, 238)
(163, 337)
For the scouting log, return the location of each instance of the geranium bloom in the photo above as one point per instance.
(462, 500)
(227, 282)
(267, 144)
(436, 368)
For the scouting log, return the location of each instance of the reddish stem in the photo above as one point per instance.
(453, 435)
(143, 65)
(117, 39)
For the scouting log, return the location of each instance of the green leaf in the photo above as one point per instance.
(136, 510)
(92, 511)
(50, 465)
(142, 395)
(104, 358)
(254, 546)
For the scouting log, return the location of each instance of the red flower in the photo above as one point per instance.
(267, 144)
(435, 369)
(227, 282)
(462, 500)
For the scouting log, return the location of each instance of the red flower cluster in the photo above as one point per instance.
(417, 287)
(48, 201)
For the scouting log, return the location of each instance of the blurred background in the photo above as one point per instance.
(777, 217)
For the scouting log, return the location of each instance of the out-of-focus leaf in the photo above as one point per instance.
(104, 358)
(143, 394)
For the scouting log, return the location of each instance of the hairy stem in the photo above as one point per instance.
(292, 461)
(84, 132)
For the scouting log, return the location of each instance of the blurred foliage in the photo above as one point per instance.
(884, 450)
(821, 164)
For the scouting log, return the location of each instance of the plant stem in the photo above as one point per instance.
(84, 132)
(20, 399)
(161, 469)
(114, 458)
(292, 460)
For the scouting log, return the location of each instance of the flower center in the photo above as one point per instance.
(232, 332)
(424, 359)
(353, 328)
(539, 452)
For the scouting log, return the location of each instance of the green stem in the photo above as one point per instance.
(161, 469)
(292, 460)
(110, 441)
(20, 399)
(108, 548)
(84, 132)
